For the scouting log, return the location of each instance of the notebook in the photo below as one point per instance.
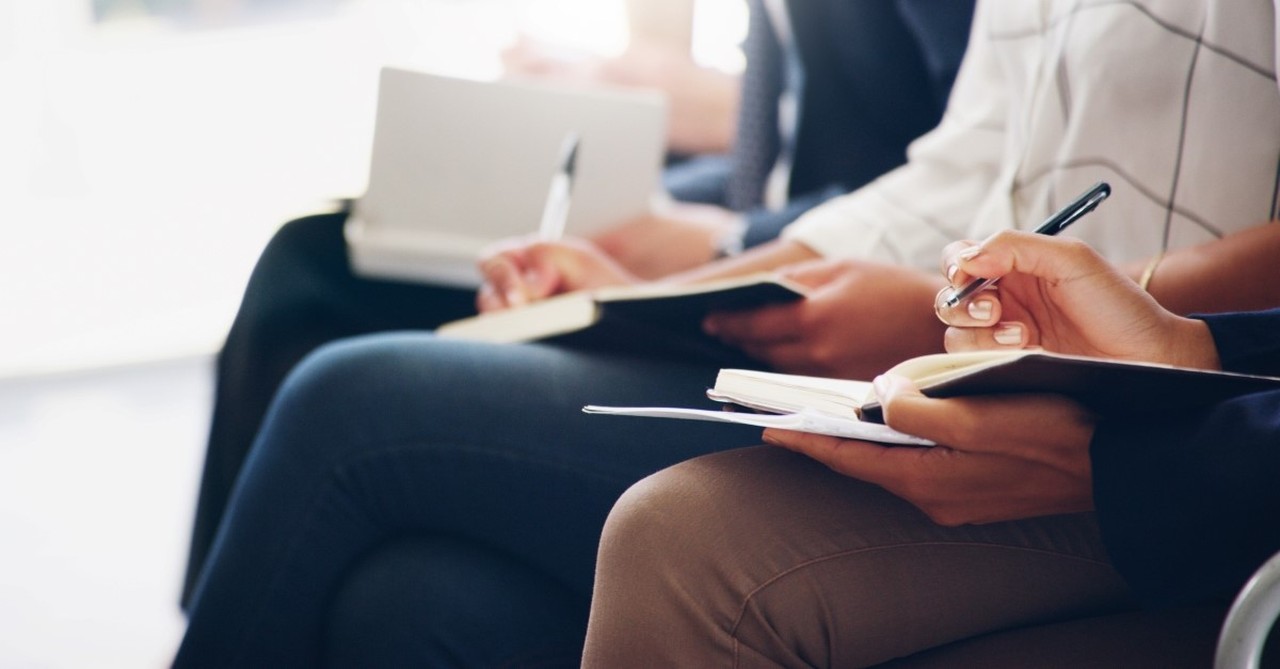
(457, 164)
(847, 408)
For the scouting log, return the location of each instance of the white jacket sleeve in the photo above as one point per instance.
(910, 213)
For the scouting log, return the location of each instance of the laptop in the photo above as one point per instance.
(458, 164)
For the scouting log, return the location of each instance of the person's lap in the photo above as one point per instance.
(401, 434)
(302, 294)
(761, 557)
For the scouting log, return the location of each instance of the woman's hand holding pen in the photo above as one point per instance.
(519, 271)
(1011, 457)
(1059, 294)
(673, 238)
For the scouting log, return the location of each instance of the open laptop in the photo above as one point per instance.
(458, 164)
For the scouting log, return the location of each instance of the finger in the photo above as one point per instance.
(504, 277)
(999, 425)
(755, 327)
(885, 466)
(811, 273)
(1008, 335)
(543, 273)
(521, 271)
(487, 299)
(950, 264)
(1042, 256)
(983, 310)
(514, 248)
(907, 410)
(497, 257)
(570, 264)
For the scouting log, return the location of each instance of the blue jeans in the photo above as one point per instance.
(301, 296)
(477, 452)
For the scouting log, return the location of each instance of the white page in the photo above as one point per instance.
(804, 421)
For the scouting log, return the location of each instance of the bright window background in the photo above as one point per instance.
(148, 150)
(152, 146)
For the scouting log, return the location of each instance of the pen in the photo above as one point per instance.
(1069, 214)
(556, 212)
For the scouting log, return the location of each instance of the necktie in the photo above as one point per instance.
(758, 143)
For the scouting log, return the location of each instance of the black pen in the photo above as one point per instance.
(1069, 214)
(556, 211)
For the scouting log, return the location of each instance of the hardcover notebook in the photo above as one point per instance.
(845, 408)
(635, 312)
(459, 164)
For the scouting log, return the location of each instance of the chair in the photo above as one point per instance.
(1249, 622)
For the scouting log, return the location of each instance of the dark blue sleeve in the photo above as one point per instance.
(1190, 504)
(765, 224)
(939, 34)
(1247, 342)
(700, 179)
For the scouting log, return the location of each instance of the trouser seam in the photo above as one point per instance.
(747, 599)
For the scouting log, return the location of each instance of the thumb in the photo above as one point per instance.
(545, 270)
(907, 410)
(811, 273)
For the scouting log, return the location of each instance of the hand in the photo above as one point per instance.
(859, 319)
(528, 57)
(1060, 294)
(676, 237)
(702, 103)
(518, 271)
(1004, 458)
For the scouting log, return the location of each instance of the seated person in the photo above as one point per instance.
(1032, 511)
(862, 106)
(703, 101)
(438, 501)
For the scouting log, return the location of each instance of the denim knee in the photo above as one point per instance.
(335, 400)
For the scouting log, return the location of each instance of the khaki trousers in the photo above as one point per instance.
(760, 557)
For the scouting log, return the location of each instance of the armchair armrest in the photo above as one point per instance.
(1250, 619)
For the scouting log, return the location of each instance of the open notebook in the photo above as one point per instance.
(458, 164)
(847, 408)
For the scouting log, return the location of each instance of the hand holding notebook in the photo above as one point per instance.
(835, 407)
(1053, 292)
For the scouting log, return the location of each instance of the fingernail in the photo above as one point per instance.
(515, 298)
(882, 385)
(969, 253)
(768, 438)
(1008, 334)
(980, 310)
(951, 272)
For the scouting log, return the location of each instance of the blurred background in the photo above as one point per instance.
(148, 150)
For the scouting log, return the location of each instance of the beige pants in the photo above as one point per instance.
(762, 558)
